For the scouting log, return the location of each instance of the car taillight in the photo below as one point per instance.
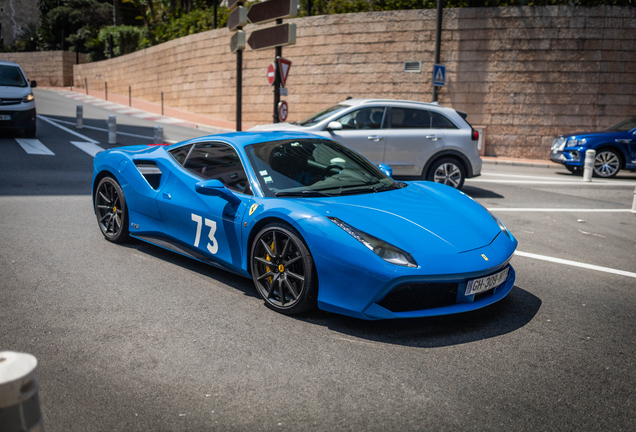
(475, 135)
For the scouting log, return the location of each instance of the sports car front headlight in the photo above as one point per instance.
(384, 250)
(28, 98)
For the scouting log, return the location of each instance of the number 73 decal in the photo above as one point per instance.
(214, 247)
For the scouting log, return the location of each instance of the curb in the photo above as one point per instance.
(520, 162)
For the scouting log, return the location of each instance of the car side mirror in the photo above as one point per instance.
(334, 125)
(33, 83)
(216, 188)
(387, 170)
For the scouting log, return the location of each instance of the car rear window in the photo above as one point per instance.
(407, 118)
(11, 76)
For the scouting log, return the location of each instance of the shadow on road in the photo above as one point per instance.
(476, 192)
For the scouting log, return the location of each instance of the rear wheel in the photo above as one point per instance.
(283, 270)
(607, 163)
(448, 171)
(111, 210)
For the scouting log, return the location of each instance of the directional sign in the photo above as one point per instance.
(439, 75)
(271, 10)
(237, 18)
(271, 73)
(237, 42)
(283, 66)
(233, 4)
(270, 37)
(282, 111)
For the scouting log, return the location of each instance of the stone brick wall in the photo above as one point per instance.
(525, 73)
(48, 68)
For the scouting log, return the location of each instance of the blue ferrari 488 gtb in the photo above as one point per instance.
(313, 223)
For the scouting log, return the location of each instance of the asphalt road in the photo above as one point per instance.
(135, 338)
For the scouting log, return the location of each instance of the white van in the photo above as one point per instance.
(17, 104)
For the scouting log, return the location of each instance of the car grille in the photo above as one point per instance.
(10, 101)
(418, 296)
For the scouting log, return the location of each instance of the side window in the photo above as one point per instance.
(220, 162)
(179, 154)
(365, 118)
(440, 121)
(406, 118)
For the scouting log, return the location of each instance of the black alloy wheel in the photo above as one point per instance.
(111, 210)
(447, 171)
(283, 270)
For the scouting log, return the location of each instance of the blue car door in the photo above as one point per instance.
(210, 225)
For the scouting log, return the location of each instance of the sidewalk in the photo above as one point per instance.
(146, 110)
(495, 160)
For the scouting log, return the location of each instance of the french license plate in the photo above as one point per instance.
(5, 117)
(484, 284)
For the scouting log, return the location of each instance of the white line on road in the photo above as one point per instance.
(90, 148)
(582, 210)
(85, 138)
(34, 147)
(560, 183)
(575, 264)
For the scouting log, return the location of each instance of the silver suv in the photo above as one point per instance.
(417, 140)
(17, 104)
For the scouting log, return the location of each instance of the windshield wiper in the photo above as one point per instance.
(303, 193)
(373, 189)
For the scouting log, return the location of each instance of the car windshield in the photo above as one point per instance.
(11, 76)
(317, 118)
(624, 126)
(314, 167)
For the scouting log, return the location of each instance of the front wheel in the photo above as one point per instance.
(283, 270)
(111, 210)
(447, 171)
(607, 164)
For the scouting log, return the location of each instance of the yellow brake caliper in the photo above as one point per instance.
(267, 268)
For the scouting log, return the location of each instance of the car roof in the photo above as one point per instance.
(242, 139)
(360, 101)
(8, 63)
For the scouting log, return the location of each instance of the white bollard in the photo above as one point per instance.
(19, 401)
(588, 170)
(112, 129)
(634, 202)
(158, 139)
(79, 117)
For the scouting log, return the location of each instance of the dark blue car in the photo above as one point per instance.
(615, 149)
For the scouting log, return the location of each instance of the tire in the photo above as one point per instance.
(283, 270)
(111, 210)
(448, 171)
(607, 163)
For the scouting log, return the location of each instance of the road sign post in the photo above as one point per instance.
(235, 23)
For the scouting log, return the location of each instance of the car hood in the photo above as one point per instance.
(278, 126)
(587, 134)
(420, 218)
(13, 92)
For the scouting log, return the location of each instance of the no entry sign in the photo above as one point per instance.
(282, 111)
(271, 73)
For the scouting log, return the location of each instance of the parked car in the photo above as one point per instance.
(417, 140)
(310, 221)
(615, 149)
(17, 104)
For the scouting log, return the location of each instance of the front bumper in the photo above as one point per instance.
(18, 119)
(354, 282)
(573, 156)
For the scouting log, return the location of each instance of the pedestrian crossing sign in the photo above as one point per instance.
(439, 75)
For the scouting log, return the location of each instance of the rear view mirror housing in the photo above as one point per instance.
(334, 125)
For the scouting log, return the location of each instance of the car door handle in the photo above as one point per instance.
(433, 137)
(166, 195)
(375, 138)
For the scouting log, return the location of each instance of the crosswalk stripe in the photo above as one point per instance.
(90, 148)
(34, 146)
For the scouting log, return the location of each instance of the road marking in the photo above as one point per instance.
(106, 130)
(85, 138)
(560, 183)
(575, 264)
(497, 209)
(90, 148)
(34, 147)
